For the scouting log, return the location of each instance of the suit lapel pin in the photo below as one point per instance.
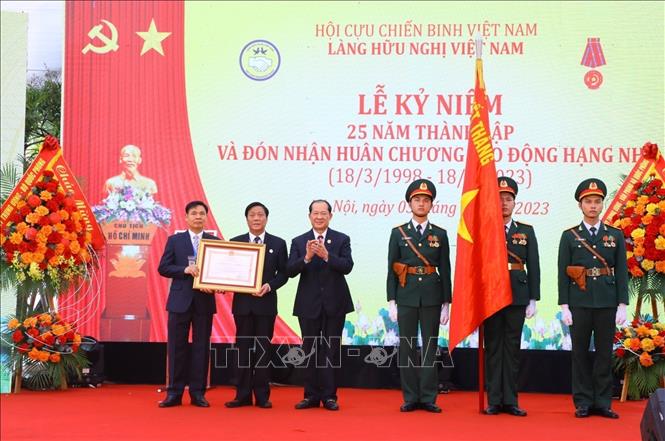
(328, 241)
(270, 250)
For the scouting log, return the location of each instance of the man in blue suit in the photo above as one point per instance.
(187, 307)
(322, 257)
(254, 314)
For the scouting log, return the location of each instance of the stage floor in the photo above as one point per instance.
(130, 412)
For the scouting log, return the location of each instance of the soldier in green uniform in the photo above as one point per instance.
(503, 330)
(419, 293)
(593, 294)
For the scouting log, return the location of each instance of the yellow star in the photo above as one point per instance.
(462, 230)
(152, 39)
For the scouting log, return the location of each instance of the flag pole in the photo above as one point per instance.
(481, 369)
(481, 345)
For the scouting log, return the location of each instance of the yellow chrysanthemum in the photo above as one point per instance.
(21, 227)
(13, 324)
(34, 272)
(626, 343)
(643, 200)
(647, 345)
(637, 232)
(20, 204)
(652, 208)
(648, 264)
(46, 195)
(16, 238)
(41, 210)
(625, 222)
(32, 218)
(629, 254)
(647, 219)
(653, 332)
(58, 330)
(630, 204)
(640, 209)
(64, 215)
(660, 243)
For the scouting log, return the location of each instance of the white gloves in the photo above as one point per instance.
(392, 310)
(566, 315)
(445, 313)
(531, 309)
(621, 314)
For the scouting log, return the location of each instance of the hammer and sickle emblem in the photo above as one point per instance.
(110, 43)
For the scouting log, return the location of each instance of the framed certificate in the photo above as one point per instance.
(230, 266)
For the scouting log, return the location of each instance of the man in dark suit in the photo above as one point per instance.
(187, 307)
(322, 257)
(419, 295)
(594, 255)
(503, 330)
(254, 314)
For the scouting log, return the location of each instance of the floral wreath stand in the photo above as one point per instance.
(651, 295)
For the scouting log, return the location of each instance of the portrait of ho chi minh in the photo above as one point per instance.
(130, 159)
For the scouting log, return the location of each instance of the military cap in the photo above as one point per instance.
(590, 187)
(508, 185)
(420, 187)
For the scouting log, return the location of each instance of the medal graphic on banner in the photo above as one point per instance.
(593, 57)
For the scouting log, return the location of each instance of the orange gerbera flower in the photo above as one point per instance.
(645, 359)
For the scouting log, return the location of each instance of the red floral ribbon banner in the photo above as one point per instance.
(652, 161)
(50, 158)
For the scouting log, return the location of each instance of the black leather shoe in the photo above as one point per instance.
(331, 404)
(514, 410)
(199, 401)
(607, 413)
(265, 405)
(430, 407)
(492, 409)
(581, 412)
(237, 403)
(171, 401)
(307, 403)
(408, 407)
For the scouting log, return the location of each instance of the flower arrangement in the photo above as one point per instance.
(642, 220)
(46, 241)
(47, 347)
(639, 350)
(132, 204)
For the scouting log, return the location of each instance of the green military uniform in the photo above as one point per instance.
(594, 309)
(419, 301)
(503, 330)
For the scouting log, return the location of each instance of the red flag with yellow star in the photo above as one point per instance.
(482, 283)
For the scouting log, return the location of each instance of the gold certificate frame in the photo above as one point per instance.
(229, 266)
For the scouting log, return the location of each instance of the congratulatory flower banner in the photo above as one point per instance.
(350, 101)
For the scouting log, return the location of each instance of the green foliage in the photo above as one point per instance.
(642, 381)
(41, 376)
(42, 108)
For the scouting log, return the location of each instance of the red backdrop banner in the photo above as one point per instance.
(124, 84)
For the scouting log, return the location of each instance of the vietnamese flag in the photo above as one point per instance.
(482, 283)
